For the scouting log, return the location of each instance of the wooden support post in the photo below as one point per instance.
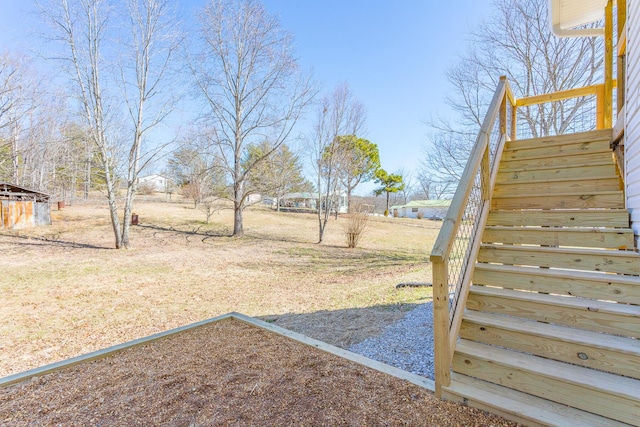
(514, 117)
(485, 171)
(503, 114)
(600, 95)
(622, 57)
(441, 323)
(608, 65)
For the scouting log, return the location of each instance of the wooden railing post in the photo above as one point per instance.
(600, 106)
(441, 323)
(485, 170)
(514, 117)
(608, 65)
(622, 57)
(503, 111)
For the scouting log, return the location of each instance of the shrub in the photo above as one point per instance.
(420, 215)
(356, 224)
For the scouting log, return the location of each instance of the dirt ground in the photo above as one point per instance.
(228, 373)
(66, 292)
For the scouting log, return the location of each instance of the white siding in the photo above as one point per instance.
(632, 132)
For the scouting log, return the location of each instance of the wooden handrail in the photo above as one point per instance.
(622, 41)
(599, 90)
(454, 214)
(560, 95)
(446, 324)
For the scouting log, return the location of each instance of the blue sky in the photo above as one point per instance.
(393, 54)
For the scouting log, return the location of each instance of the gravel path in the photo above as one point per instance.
(407, 344)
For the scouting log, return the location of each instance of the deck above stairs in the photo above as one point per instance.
(551, 330)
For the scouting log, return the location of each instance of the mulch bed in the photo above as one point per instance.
(228, 373)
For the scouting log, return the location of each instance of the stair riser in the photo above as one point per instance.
(592, 400)
(608, 261)
(546, 141)
(556, 150)
(560, 201)
(556, 162)
(490, 405)
(519, 407)
(556, 349)
(595, 289)
(583, 318)
(558, 187)
(585, 172)
(619, 219)
(550, 237)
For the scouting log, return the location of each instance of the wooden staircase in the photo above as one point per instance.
(551, 330)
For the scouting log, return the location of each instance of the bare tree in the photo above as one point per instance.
(18, 98)
(337, 114)
(408, 189)
(82, 27)
(515, 42)
(153, 43)
(198, 170)
(251, 85)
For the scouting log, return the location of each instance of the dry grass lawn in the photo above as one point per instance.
(65, 292)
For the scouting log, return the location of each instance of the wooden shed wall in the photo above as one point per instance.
(42, 213)
(15, 215)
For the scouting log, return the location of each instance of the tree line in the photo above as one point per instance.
(124, 68)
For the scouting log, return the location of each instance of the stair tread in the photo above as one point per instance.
(584, 377)
(592, 135)
(571, 211)
(568, 194)
(605, 278)
(577, 251)
(559, 300)
(546, 330)
(585, 230)
(550, 155)
(516, 181)
(525, 407)
(560, 217)
(507, 165)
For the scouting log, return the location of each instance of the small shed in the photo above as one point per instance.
(422, 209)
(22, 207)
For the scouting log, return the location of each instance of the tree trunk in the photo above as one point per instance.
(115, 221)
(387, 211)
(128, 210)
(238, 230)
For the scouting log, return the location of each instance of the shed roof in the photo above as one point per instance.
(17, 192)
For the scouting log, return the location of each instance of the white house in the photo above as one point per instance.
(155, 182)
(631, 115)
(422, 209)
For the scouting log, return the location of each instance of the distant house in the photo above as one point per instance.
(21, 207)
(154, 182)
(309, 201)
(422, 209)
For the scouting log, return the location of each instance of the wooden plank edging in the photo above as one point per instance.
(99, 354)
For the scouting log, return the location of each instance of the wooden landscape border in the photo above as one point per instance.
(99, 354)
